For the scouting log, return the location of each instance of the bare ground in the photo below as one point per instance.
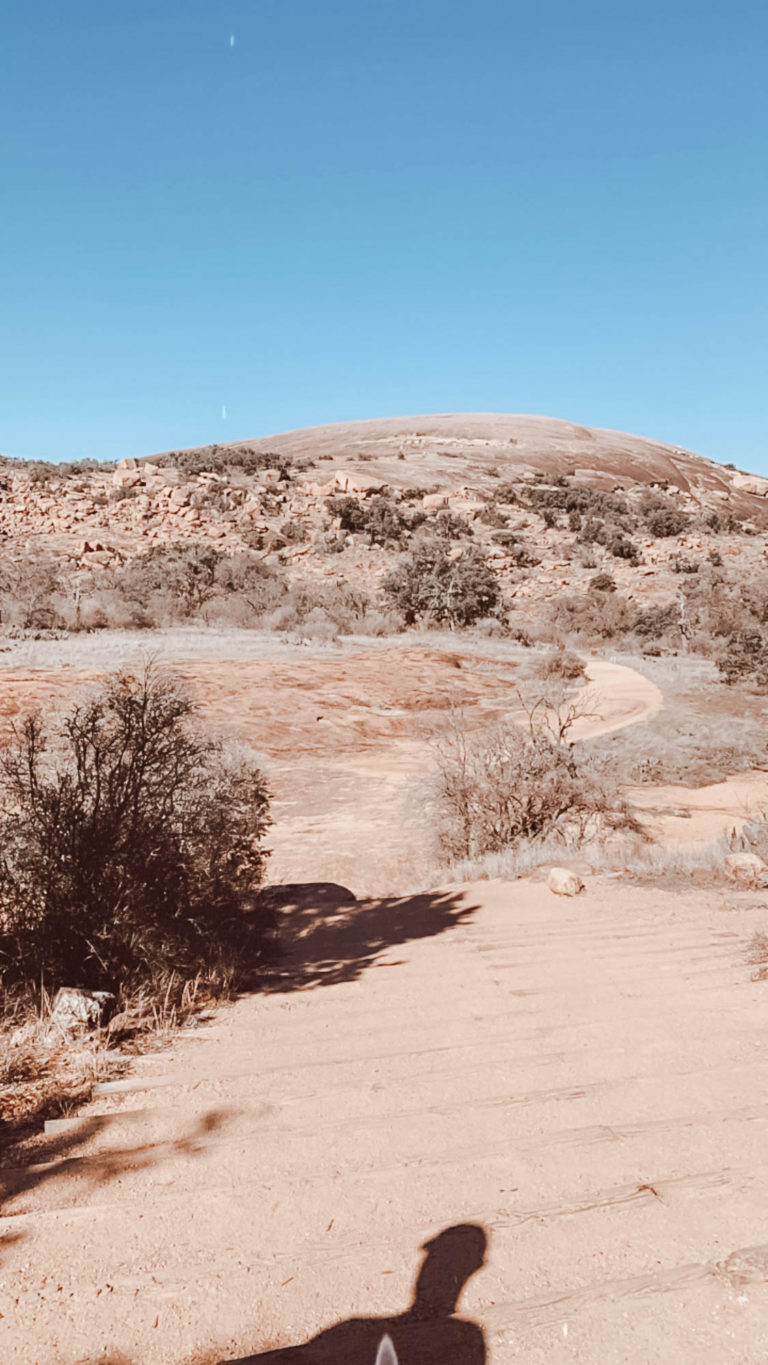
(563, 1097)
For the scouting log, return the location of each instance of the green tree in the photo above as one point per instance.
(432, 584)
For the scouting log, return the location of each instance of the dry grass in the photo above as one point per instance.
(47, 1070)
(44, 1068)
(634, 857)
(703, 735)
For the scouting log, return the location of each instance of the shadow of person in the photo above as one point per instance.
(429, 1333)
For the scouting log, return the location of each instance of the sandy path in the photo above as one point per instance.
(619, 696)
(581, 1081)
(688, 817)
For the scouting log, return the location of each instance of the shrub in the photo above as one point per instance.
(450, 526)
(123, 493)
(745, 659)
(662, 518)
(621, 547)
(564, 496)
(326, 610)
(563, 665)
(294, 532)
(182, 580)
(594, 616)
(602, 582)
(377, 518)
(521, 783)
(30, 586)
(431, 584)
(491, 516)
(507, 493)
(655, 622)
(216, 459)
(128, 841)
(349, 511)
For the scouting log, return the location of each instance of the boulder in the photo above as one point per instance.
(321, 490)
(352, 482)
(126, 478)
(747, 869)
(564, 882)
(433, 501)
(77, 1008)
(750, 483)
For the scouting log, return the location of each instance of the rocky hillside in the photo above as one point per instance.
(548, 505)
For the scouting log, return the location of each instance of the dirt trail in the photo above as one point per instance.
(580, 1080)
(345, 736)
(619, 696)
(562, 1098)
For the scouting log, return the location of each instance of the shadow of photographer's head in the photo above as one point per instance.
(452, 1257)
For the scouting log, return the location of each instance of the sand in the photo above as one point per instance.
(499, 1124)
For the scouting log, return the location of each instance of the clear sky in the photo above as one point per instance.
(225, 218)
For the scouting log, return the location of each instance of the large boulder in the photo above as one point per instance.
(126, 478)
(748, 870)
(77, 1008)
(352, 482)
(564, 882)
(750, 483)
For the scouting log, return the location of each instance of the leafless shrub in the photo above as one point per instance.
(522, 783)
(324, 611)
(591, 616)
(754, 836)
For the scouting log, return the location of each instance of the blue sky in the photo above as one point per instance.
(308, 211)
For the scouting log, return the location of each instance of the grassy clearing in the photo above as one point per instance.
(701, 736)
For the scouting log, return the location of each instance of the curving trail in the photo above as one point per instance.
(619, 695)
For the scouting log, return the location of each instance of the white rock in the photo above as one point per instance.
(564, 882)
(126, 478)
(433, 501)
(747, 869)
(74, 1007)
(750, 483)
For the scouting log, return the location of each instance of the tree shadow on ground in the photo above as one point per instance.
(427, 1333)
(325, 935)
(63, 1158)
